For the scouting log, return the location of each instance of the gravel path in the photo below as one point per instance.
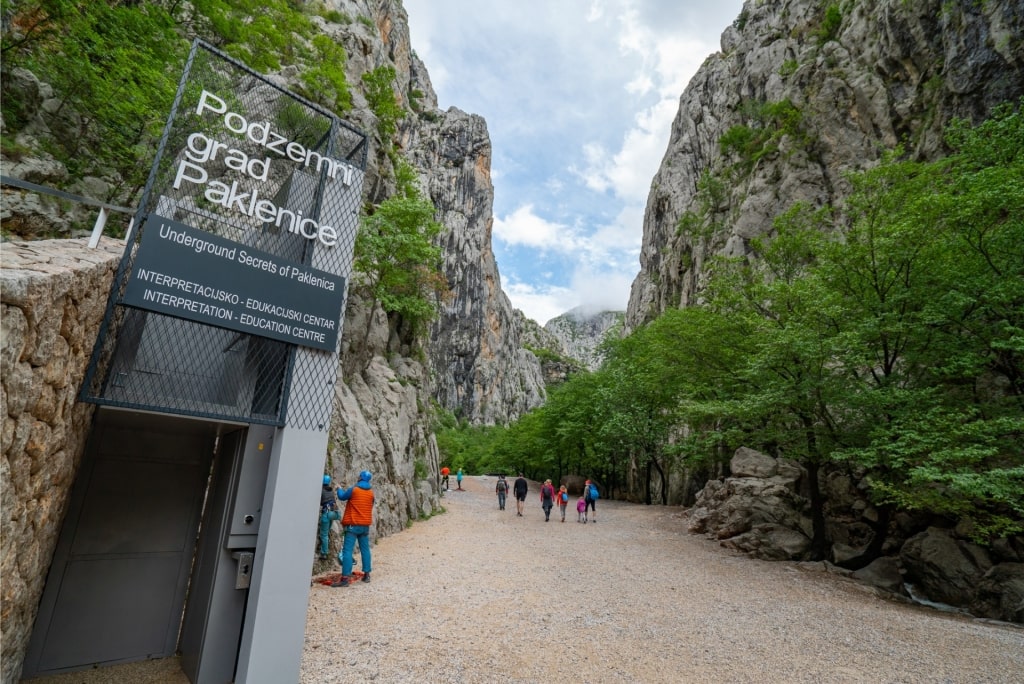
(481, 595)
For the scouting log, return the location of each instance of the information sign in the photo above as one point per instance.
(185, 272)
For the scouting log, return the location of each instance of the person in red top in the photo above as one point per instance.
(356, 521)
(444, 477)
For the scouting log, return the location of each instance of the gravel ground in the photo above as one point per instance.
(481, 595)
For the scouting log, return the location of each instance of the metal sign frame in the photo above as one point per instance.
(241, 253)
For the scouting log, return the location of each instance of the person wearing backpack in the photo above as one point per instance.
(563, 500)
(328, 514)
(590, 496)
(501, 489)
(547, 498)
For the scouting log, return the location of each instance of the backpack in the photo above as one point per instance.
(502, 486)
(593, 492)
(565, 496)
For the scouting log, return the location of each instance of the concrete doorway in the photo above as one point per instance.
(116, 588)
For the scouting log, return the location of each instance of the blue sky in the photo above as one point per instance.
(579, 97)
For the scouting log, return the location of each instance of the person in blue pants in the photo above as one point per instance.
(357, 521)
(328, 514)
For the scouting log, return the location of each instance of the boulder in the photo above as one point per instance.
(946, 569)
(749, 463)
(1000, 593)
(758, 510)
(883, 573)
(771, 542)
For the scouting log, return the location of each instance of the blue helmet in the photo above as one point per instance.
(327, 479)
(365, 476)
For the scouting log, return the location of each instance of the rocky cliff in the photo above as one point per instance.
(481, 371)
(477, 365)
(581, 333)
(829, 87)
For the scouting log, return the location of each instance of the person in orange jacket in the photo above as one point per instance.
(444, 477)
(356, 522)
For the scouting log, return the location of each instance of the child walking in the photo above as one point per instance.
(581, 510)
(563, 500)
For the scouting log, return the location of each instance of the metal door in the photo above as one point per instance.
(116, 587)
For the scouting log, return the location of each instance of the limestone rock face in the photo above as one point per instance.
(890, 72)
(53, 294)
(481, 372)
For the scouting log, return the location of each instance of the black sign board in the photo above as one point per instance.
(185, 272)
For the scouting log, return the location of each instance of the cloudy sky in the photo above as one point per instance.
(579, 97)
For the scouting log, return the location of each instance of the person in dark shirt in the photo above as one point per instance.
(519, 489)
(328, 514)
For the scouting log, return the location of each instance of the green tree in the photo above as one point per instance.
(941, 332)
(323, 78)
(395, 255)
(380, 94)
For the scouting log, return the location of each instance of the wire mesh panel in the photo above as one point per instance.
(241, 257)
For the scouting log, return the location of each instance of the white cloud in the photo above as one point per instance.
(524, 228)
(540, 304)
(601, 290)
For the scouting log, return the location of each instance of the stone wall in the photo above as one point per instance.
(52, 297)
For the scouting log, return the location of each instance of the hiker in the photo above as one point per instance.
(590, 496)
(444, 477)
(581, 510)
(547, 498)
(328, 514)
(563, 500)
(519, 488)
(356, 522)
(501, 489)
(458, 479)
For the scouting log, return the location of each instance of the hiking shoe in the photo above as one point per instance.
(343, 582)
(366, 577)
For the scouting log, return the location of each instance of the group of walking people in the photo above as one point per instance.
(549, 498)
(358, 516)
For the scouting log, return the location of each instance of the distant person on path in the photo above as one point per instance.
(519, 488)
(328, 514)
(547, 498)
(563, 500)
(501, 489)
(590, 496)
(356, 521)
(458, 479)
(444, 477)
(581, 510)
